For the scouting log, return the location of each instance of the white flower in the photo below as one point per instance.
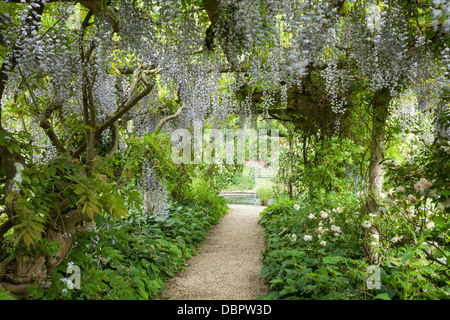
(323, 243)
(307, 237)
(421, 185)
(367, 224)
(446, 204)
(296, 206)
(411, 198)
(400, 189)
(428, 138)
(293, 237)
(396, 239)
(336, 229)
(324, 214)
(311, 216)
(410, 137)
(442, 260)
(321, 230)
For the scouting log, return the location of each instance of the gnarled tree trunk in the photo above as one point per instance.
(17, 274)
(375, 171)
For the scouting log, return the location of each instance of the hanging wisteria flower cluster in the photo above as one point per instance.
(154, 190)
(270, 45)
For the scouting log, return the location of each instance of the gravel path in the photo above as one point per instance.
(228, 265)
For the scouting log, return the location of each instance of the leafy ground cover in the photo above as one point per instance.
(316, 252)
(309, 254)
(131, 260)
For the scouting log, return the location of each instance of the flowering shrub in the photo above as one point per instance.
(311, 253)
(414, 244)
(314, 251)
(419, 196)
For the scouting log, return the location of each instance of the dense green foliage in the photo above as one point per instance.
(316, 242)
(321, 256)
(91, 91)
(131, 259)
(310, 257)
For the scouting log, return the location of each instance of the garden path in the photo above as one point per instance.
(228, 265)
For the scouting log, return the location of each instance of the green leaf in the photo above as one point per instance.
(27, 239)
(294, 253)
(4, 295)
(54, 244)
(37, 226)
(100, 219)
(276, 281)
(79, 189)
(52, 171)
(407, 255)
(382, 296)
(320, 277)
(332, 296)
(302, 282)
(9, 197)
(440, 221)
(88, 128)
(332, 260)
(287, 289)
(141, 289)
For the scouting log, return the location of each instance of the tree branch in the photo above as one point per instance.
(121, 111)
(5, 226)
(115, 140)
(164, 120)
(48, 129)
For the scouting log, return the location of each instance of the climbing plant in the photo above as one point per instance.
(87, 91)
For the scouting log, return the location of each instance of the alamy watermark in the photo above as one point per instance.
(230, 146)
(74, 281)
(373, 280)
(74, 20)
